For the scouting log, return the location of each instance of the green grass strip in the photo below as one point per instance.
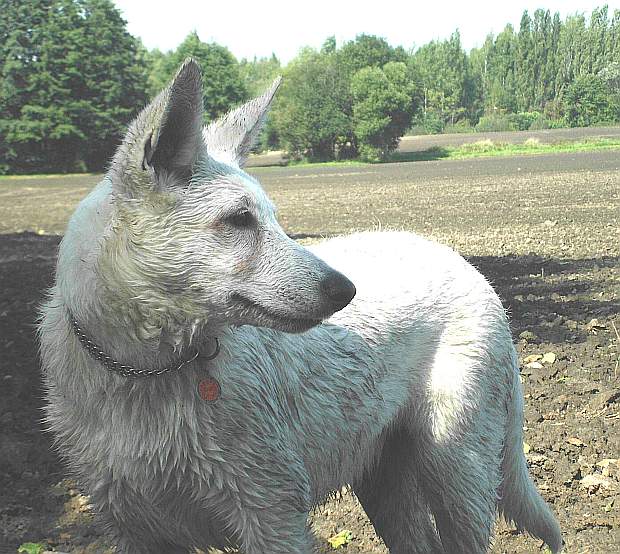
(487, 148)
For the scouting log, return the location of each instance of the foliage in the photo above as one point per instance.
(587, 102)
(523, 121)
(532, 70)
(462, 126)
(309, 113)
(31, 548)
(540, 123)
(383, 108)
(367, 51)
(610, 75)
(340, 539)
(431, 123)
(320, 114)
(258, 74)
(492, 123)
(71, 79)
(449, 88)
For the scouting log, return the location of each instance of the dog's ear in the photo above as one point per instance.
(174, 140)
(231, 138)
(164, 141)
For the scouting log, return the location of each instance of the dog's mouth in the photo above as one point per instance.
(269, 318)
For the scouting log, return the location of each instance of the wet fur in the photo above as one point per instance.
(410, 394)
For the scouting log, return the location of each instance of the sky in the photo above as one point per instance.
(262, 27)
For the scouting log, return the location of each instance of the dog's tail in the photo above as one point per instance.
(520, 501)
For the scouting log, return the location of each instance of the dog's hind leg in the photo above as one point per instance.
(393, 500)
(460, 476)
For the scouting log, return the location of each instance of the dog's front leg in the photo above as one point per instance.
(278, 532)
(267, 524)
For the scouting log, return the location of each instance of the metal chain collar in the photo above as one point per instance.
(126, 370)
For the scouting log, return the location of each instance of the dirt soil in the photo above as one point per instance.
(543, 229)
(546, 136)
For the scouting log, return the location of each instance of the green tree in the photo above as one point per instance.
(329, 45)
(21, 25)
(494, 62)
(313, 115)
(448, 85)
(309, 114)
(598, 55)
(525, 65)
(367, 51)
(71, 80)
(383, 108)
(544, 70)
(572, 46)
(364, 51)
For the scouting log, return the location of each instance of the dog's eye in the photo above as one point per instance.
(241, 219)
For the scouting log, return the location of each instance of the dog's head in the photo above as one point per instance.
(195, 234)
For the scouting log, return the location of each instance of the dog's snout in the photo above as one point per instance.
(338, 289)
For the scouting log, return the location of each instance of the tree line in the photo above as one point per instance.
(71, 77)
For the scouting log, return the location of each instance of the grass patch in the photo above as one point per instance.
(487, 148)
(335, 163)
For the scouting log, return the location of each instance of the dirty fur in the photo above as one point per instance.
(410, 394)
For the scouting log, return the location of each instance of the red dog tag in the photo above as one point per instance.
(209, 389)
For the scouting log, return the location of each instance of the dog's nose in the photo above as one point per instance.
(338, 289)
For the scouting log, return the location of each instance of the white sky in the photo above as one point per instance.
(262, 27)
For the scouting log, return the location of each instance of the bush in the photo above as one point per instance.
(462, 126)
(494, 123)
(369, 153)
(427, 124)
(433, 124)
(541, 122)
(417, 129)
(523, 120)
(557, 123)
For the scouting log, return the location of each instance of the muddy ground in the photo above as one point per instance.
(544, 229)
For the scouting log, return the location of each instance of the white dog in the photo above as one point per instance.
(205, 394)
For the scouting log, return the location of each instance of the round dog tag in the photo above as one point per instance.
(209, 389)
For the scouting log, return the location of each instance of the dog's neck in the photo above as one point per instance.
(120, 336)
(207, 350)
